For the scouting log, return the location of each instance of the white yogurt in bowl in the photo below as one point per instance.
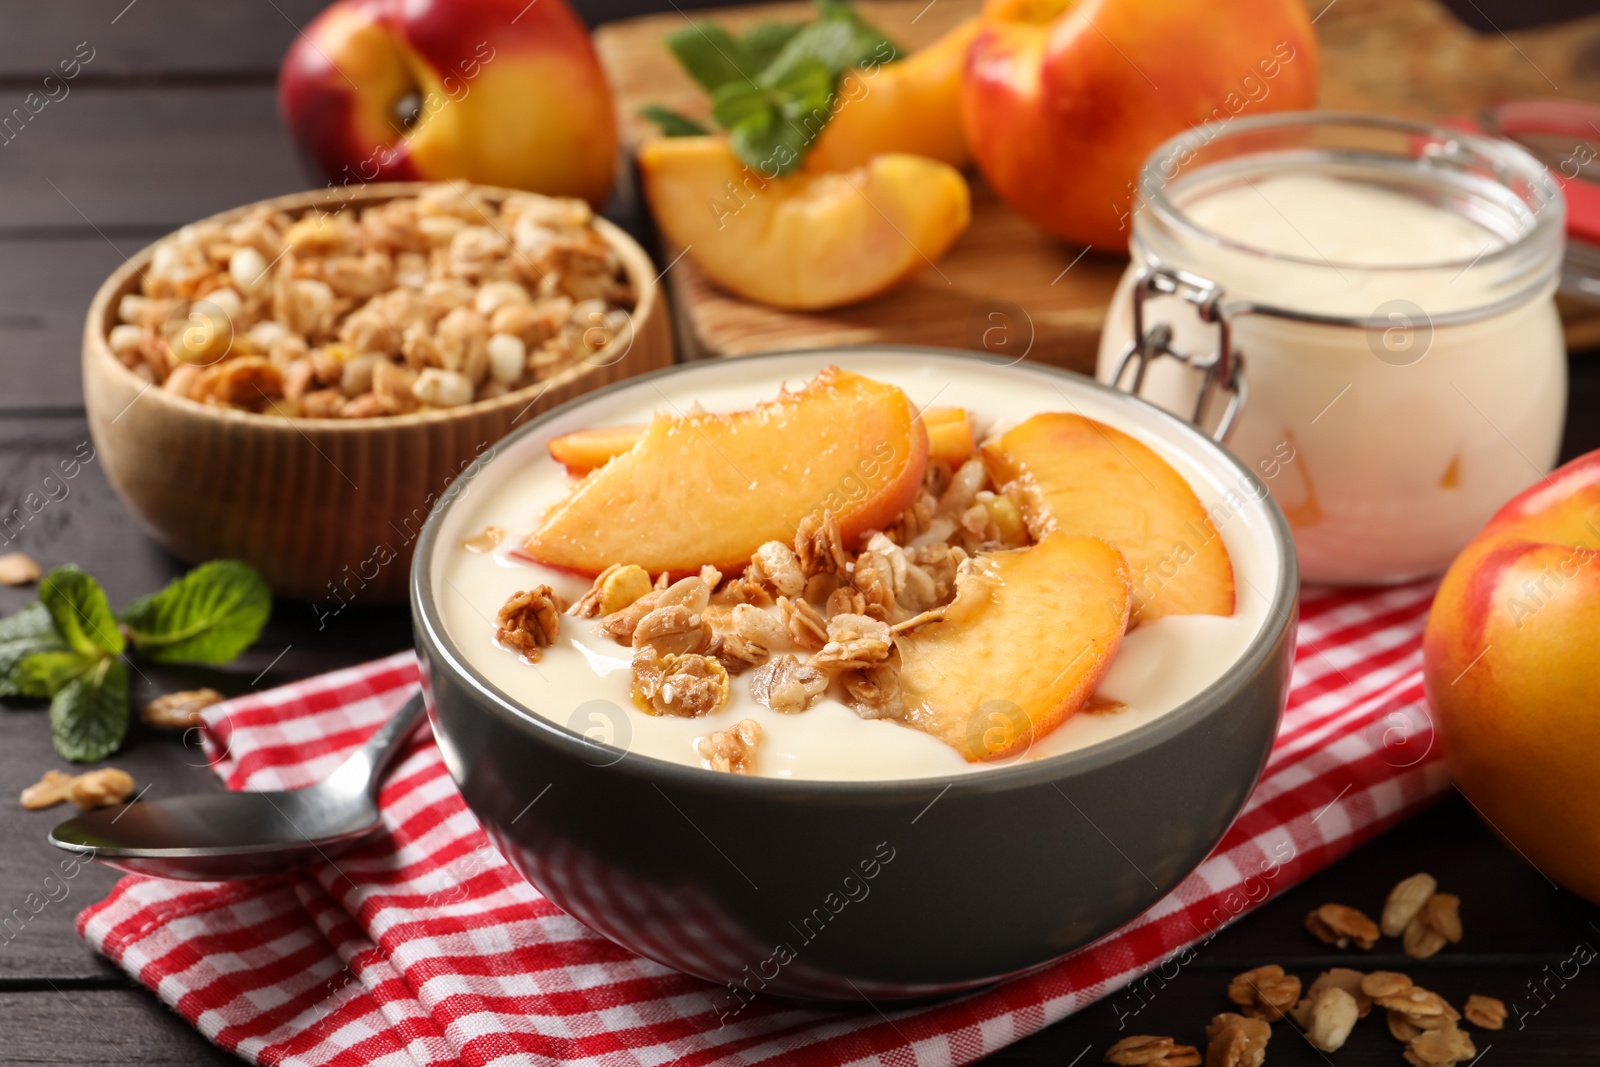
(584, 680)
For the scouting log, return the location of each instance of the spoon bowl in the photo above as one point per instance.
(226, 836)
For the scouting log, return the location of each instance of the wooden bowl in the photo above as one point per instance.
(325, 509)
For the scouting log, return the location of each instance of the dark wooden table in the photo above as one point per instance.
(173, 118)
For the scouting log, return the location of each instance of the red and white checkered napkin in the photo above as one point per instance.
(425, 947)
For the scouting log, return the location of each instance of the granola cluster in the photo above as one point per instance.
(427, 301)
(91, 789)
(808, 614)
(1420, 1019)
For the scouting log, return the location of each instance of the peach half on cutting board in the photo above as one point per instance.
(1079, 476)
(1023, 646)
(707, 488)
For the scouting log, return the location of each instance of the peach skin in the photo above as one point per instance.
(1512, 676)
(1063, 101)
(492, 91)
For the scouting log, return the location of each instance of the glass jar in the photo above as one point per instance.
(1362, 308)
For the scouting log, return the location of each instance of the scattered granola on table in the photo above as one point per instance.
(1335, 924)
(426, 301)
(92, 789)
(1235, 1041)
(179, 710)
(1264, 992)
(18, 569)
(1405, 900)
(1152, 1051)
(1486, 1013)
(1437, 924)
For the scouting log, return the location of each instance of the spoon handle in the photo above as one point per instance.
(387, 741)
(366, 766)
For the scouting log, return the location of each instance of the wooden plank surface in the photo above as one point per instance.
(106, 158)
(173, 39)
(1005, 280)
(61, 1025)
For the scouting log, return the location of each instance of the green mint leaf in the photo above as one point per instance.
(769, 143)
(871, 43)
(839, 44)
(29, 631)
(765, 40)
(44, 674)
(210, 615)
(671, 123)
(736, 102)
(80, 611)
(712, 56)
(89, 716)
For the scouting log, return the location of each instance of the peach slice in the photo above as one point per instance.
(806, 241)
(1030, 634)
(950, 439)
(706, 488)
(1080, 476)
(911, 106)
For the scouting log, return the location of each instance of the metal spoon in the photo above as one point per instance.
(225, 836)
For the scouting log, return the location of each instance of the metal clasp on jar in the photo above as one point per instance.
(1221, 370)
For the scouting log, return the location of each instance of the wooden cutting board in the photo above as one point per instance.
(1006, 285)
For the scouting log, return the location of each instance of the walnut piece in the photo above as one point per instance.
(786, 685)
(1405, 900)
(1437, 923)
(687, 685)
(529, 622)
(1264, 992)
(18, 569)
(101, 788)
(732, 751)
(180, 710)
(1333, 1015)
(1235, 1041)
(1486, 1013)
(1338, 925)
(1160, 1051)
(854, 641)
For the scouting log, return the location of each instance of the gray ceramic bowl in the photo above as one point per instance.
(834, 891)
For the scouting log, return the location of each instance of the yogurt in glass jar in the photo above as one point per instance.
(1363, 308)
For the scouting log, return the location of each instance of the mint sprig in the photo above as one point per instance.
(210, 615)
(68, 646)
(773, 89)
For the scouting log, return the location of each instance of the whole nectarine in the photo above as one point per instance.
(1513, 676)
(501, 92)
(1063, 101)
